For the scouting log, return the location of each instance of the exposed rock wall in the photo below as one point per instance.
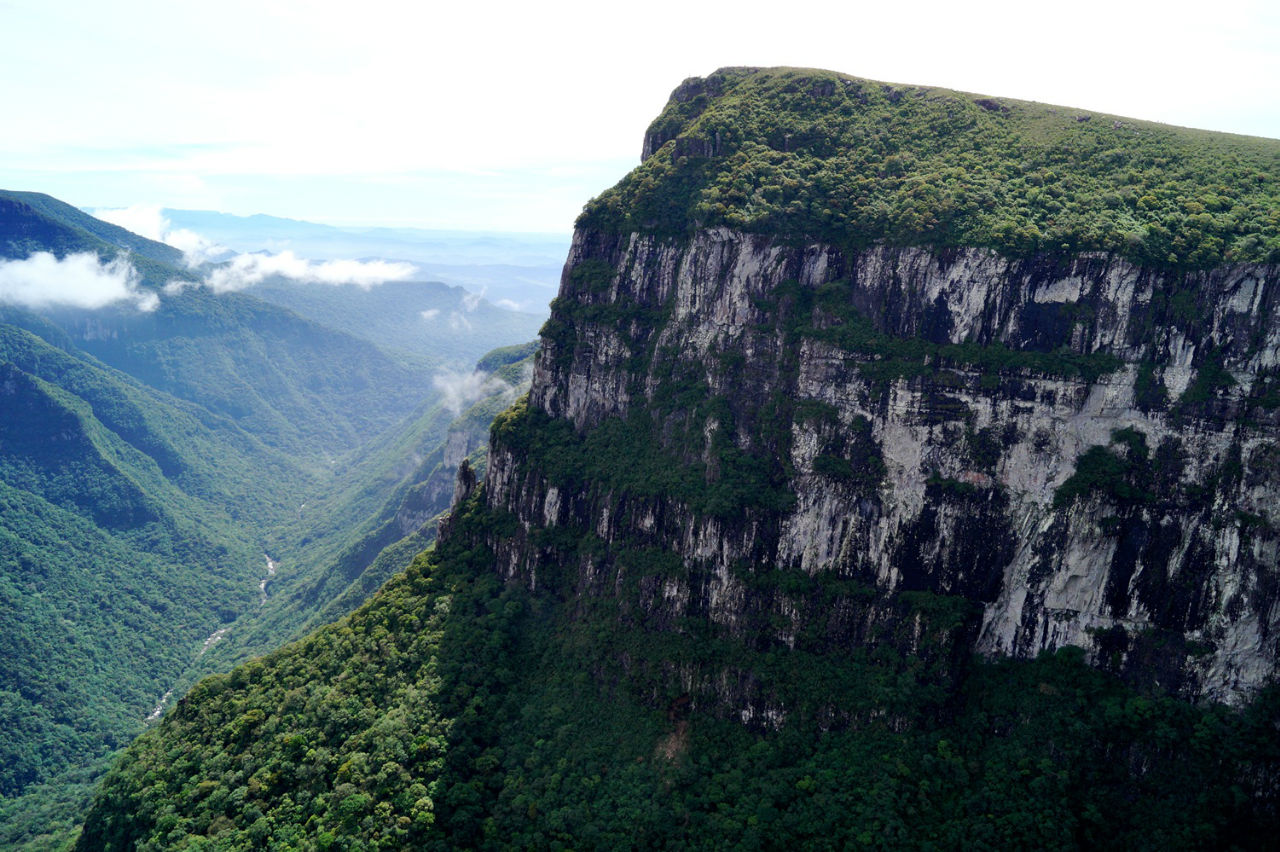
(428, 498)
(958, 473)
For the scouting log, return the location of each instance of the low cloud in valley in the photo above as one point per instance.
(148, 220)
(246, 270)
(77, 280)
(459, 390)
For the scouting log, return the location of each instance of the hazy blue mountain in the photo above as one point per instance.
(523, 268)
(311, 239)
(436, 323)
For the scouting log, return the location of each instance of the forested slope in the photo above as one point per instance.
(455, 710)
(171, 474)
(132, 532)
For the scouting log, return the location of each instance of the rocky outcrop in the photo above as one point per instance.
(1083, 448)
(433, 493)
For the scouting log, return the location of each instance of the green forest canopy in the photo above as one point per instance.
(815, 155)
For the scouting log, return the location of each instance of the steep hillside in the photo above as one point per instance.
(406, 524)
(379, 512)
(297, 385)
(131, 532)
(34, 222)
(154, 468)
(833, 517)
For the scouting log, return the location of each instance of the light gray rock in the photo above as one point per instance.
(1198, 577)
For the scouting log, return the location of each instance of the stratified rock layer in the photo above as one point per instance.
(956, 471)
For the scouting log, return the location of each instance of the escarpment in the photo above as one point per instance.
(1080, 447)
(849, 333)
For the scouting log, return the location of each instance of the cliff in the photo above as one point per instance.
(1082, 446)
(933, 342)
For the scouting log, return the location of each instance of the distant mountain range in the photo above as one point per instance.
(433, 324)
(518, 270)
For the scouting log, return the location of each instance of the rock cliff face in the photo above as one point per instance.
(1084, 449)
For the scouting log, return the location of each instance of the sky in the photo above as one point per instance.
(510, 116)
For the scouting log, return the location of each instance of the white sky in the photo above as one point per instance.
(511, 115)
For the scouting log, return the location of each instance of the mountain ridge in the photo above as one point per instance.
(73, 224)
(180, 344)
(817, 155)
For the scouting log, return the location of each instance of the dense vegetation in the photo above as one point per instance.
(138, 532)
(148, 462)
(380, 513)
(815, 155)
(127, 536)
(294, 384)
(458, 711)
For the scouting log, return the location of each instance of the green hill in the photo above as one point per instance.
(293, 383)
(32, 222)
(130, 534)
(192, 449)
(816, 155)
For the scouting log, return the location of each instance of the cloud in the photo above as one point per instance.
(245, 270)
(471, 301)
(457, 320)
(459, 390)
(509, 304)
(195, 249)
(78, 280)
(147, 220)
